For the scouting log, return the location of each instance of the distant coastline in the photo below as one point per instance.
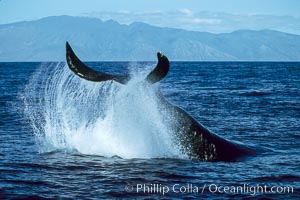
(96, 40)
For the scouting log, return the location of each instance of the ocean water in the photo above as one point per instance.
(62, 137)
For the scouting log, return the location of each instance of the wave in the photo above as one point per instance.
(279, 178)
(256, 94)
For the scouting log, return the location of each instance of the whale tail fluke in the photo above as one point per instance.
(85, 72)
(161, 69)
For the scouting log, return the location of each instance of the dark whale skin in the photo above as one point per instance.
(197, 142)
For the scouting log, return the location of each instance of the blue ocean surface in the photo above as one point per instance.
(63, 137)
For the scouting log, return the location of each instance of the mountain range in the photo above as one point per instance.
(96, 40)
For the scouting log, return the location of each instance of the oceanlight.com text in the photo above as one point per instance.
(157, 188)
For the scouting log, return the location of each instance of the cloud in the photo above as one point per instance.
(215, 22)
(187, 12)
(198, 21)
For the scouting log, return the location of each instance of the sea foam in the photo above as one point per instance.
(100, 118)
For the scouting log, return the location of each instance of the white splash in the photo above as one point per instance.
(107, 118)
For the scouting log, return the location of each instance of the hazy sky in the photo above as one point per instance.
(219, 15)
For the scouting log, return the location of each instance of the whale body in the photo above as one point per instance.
(195, 141)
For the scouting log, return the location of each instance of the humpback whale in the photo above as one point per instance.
(195, 141)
